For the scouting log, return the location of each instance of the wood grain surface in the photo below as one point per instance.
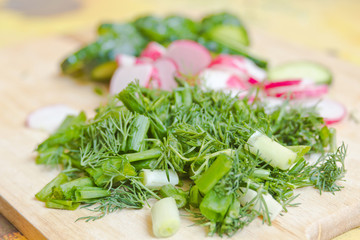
(30, 79)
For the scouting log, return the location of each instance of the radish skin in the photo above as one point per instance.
(235, 82)
(239, 66)
(253, 81)
(295, 89)
(285, 83)
(143, 60)
(190, 56)
(331, 110)
(230, 61)
(233, 64)
(153, 51)
(165, 217)
(49, 118)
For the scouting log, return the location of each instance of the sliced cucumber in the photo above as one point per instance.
(229, 35)
(301, 69)
(103, 72)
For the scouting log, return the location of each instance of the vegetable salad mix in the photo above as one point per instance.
(223, 158)
(234, 161)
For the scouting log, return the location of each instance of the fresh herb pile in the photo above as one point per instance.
(219, 33)
(202, 136)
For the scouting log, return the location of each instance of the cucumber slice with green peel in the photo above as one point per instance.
(301, 69)
(103, 72)
(229, 35)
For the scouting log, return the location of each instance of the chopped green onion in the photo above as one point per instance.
(154, 179)
(86, 193)
(165, 217)
(194, 196)
(215, 205)
(61, 204)
(140, 127)
(68, 187)
(214, 173)
(144, 155)
(46, 191)
(171, 191)
(270, 151)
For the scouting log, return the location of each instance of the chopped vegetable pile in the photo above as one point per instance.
(194, 121)
(222, 158)
(220, 33)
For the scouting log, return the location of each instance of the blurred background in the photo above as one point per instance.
(328, 26)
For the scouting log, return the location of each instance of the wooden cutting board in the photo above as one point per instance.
(30, 79)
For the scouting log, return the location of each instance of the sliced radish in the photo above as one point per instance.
(155, 81)
(143, 60)
(230, 61)
(331, 110)
(221, 80)
(214, 79)
(124, 60)
(284, 83)
(153, 51)
(49, 118)
(124, 75)
(254, 71)
(295, 90)
(236, 82)
(253, 81)
(304, 92)
(191, 57)
(166, 69)
(240, 66)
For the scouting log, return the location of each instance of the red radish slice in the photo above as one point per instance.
(253, 81)
(236, 82)
(153, 51)
(254, 71)
(124, 75)
(284, 83)
(166, 69)
(230, 61)
(233, 71)
(143, 60)
(233, 64)
(240, 66)
(303, 92)
(49, 118)
(214, 79)
(155, 79)
(191, 57)
(220, 80)
(295, 89)
(331, 110)
(124, 60)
